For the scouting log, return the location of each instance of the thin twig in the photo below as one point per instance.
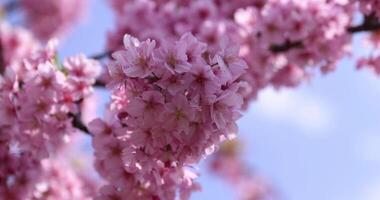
(77, 123)
(102, 55)
(99, 83)
(2, 61)
(370, 23)
(364, 28)
(286, 46)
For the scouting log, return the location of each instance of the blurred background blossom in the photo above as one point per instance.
(319, 141)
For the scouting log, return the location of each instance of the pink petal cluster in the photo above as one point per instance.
(118, 5)
(50, 179)
(171, 106)
(372, 63)
(369, 7)
(59, 181)
(227, 164)
(37, 97)
(16, 43)
(38, 101)
(316, 27)
(47, 18)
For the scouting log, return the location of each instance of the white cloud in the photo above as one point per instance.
(305, 111)
(368, 152)
(372, 192)
(368, 149)
(373, 81)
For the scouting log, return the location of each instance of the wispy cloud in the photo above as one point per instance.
(372, 192)
(368, 149)
(300, 109)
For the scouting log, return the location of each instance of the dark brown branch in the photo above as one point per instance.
(364, 28)
(99, 83)
(102, 55)
(286, 46)
(77, 123)
(2, 61)
(370, 23)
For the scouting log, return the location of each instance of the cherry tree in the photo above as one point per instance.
(180, 74)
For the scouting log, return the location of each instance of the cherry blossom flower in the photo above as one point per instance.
(165, 118)
(261, 28)
(37, 109)
(174, 58)
(48, 19)
(16, 43)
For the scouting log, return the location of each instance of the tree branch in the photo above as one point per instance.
(286, 46)
(77, 123)
(370, 23)
(102, 55)
(99, 83)
(2, 61)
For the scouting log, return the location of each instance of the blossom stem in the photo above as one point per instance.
(77, 123)
(370, 23)
(2, 62)
(286, 46)
(102, 55)
(99, 83)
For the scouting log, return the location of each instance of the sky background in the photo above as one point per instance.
(319, 141)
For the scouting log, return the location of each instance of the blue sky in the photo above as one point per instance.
(319, 141)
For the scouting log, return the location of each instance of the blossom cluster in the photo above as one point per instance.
(369, 7)
(49, 19)
(228, 165)
(16, 43)
(171, 106)
(372, 61)
(316, 28)
(311, 33)
(39, 100)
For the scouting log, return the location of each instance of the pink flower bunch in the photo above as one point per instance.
(24, 178)
(38, 96)
(285, 39)
(39, 99)
(49, 19)
(165, 20)
(16, 43)
(369, 7)
(313, 33)
(119, 5)
(59, 181)
(171, 106)
(227, 164)
(372, 63)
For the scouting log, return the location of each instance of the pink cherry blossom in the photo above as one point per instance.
(38, 107)
(17, 43)
(173, 57)
(48, 19)
(257, 26)
(369, 6)
(166, 127)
